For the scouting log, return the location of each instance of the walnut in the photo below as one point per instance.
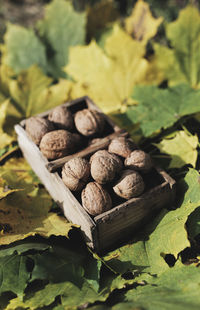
(37, 127)
(57, 143)
(75, 173)
(139, 160)
(89, 122)
(105, 166)
(95, 199)
(129, 185)
(121, 146)
(62, 118)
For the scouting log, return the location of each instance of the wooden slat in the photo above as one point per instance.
(55, 164)
(72, 209)
(116, 224)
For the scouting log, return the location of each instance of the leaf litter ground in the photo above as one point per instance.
(43, 260)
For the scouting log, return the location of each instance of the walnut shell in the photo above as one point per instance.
(129, 185)
(139, 160)
(121, 146)
(75, 173)
(62, 118)
(105, 166)
(57, 143)
(37, 127)
(95, 199)
(89, 122)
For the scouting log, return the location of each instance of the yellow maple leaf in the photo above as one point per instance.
(182, 149)
(26, 212)
(108, 76)
(141, 24)
(5, 139)
(181, 62)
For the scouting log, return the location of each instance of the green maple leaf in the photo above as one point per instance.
(22, 49)
(61, 28)
(183, 62)
(165, 235)
(161, 108)
(177, 288)
(13, 274)
(182, 148)
(75, 277)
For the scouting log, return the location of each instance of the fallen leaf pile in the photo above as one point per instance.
(143, 70)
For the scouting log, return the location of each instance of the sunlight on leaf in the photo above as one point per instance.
(27, 212)
(182, 149)
(183, 62)
(108, 77)
(177, 288)
(141, 24)
(33, 94)
(161, 108)
(166, 234)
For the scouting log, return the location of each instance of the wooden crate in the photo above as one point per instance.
(109, 228)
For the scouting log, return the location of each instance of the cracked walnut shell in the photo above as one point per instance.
(95, 199)
(75, 173)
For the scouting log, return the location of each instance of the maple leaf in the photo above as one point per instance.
(61, 28)
(182, 148)
(5, 139)
(5, 190)
(141, 24)
(108, 77)
(22, 49)
(32, 92)
(183, 62)
(166, 234)
(161, 108)
(27, 212)
(177, 288)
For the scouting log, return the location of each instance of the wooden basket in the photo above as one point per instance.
(109, 228)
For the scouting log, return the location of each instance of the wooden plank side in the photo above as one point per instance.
(72, 209)
(102, 144)
(115, 226)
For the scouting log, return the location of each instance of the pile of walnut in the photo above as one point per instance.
(60, 134)
(106, 167)
(117, 168)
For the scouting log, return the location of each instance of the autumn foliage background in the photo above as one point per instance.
(140, 63)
